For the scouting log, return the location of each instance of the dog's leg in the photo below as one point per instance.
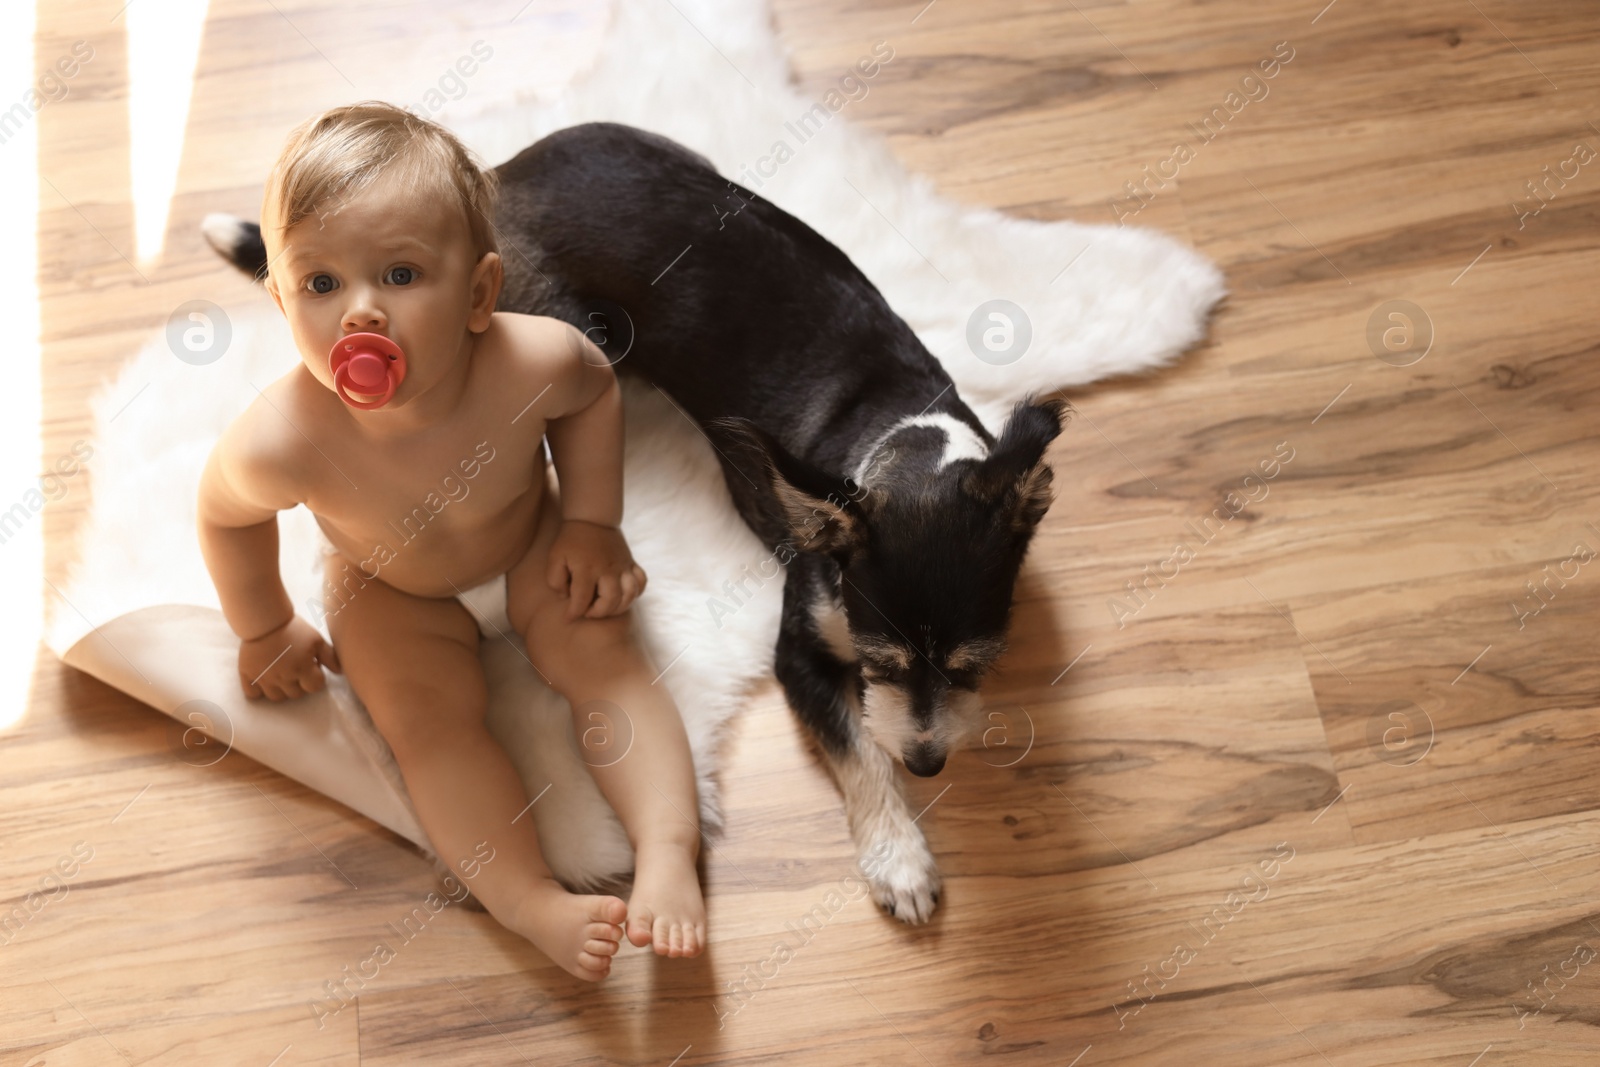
(894, 855)
(823, 690)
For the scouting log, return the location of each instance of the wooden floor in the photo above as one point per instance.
(1324, 792)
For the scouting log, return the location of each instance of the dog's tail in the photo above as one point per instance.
(237, 241)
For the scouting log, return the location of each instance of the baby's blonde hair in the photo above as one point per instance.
(334, 155)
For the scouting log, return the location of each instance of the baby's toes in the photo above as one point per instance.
(609, 910)
(600, 947)
(603, 932)
(643, 928)
(668, 938)
(592, 968)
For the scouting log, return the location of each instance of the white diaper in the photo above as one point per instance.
(487, 603)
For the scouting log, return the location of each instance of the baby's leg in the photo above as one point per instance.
(414, 662)
(652, 786)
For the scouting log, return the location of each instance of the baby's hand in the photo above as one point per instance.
(285, 663)
(595, 559)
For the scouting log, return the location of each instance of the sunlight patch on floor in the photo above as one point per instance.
(21, 529)
(163, 50)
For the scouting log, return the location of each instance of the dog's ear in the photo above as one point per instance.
(1014, 476)
(799, 502)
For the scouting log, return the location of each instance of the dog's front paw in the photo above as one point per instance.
(904, 878)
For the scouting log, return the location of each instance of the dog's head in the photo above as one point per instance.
(929, 536)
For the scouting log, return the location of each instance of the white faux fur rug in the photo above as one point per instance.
(711, 74)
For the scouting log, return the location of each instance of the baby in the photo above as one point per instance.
(377, 221)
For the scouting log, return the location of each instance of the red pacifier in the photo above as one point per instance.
(367, 363)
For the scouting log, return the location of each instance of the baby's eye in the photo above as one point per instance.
(402, 275)
(321, 283)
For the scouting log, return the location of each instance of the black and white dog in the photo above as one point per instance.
(842, 439)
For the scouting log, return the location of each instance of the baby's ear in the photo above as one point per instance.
(487, 278)
(271, 286)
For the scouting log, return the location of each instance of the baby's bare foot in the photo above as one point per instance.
(581, 933)
(666, 908)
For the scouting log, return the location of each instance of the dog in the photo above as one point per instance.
(901, 520)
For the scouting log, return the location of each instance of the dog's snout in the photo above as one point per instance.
(924, 760)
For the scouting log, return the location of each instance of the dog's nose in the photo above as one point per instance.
(925, 761)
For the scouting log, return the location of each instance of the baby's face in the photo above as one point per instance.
(388, 262)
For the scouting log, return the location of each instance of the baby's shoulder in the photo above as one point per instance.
(267, 436)
(537, 343)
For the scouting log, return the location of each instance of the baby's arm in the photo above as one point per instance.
(584, 428)
(241, 492)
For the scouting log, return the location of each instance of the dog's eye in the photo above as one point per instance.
(969, 672)
(882, 673)
(973, 659)
(964, 679)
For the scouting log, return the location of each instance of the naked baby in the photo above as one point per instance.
(377, 223)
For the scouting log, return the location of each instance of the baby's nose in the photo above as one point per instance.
(364, 316)
(364, 320)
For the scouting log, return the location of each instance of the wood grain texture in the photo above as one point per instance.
(1348, 671)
